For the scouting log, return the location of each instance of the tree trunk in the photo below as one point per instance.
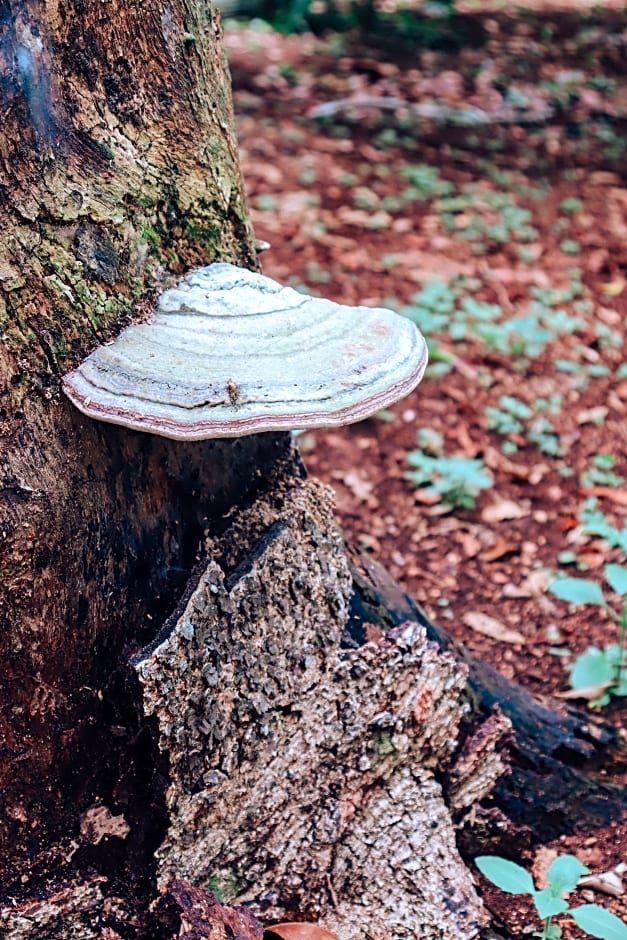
(118, 166)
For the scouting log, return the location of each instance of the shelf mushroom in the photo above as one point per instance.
(229, 352)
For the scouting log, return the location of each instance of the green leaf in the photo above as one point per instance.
(548, 903)
(599, 922)
(552, 932)
(564, 873)
(577, 591)
(506, 875)
(592, 669)
(616, 576)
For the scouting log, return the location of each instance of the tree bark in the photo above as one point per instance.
(552, 786)
(118, 169)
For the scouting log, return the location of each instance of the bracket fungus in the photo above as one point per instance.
(229, 352)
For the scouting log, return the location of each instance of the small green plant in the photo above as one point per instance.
(598, 673)
(457, 480)
(563, 877)
(601, 472)
(266, 202)
(542, 433)
(424, 182)
(571, 204)
(509, 417)
(596, 523)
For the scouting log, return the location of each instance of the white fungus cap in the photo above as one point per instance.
(229, 352)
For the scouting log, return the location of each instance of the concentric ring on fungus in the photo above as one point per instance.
(229, 352)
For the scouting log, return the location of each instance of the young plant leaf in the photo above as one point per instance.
(564, 873)
(577, 591)
(616, 576)
(593, 669)
(548, 903)
(551, 932)
(506, 875)
(599, 922)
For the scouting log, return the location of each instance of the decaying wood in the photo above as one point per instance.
(551, 787)
(194, 913)
(298, 776)
(118, 170)
(302, 775)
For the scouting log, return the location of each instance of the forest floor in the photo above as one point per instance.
(481, 192)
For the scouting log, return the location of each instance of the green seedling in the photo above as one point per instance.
(595, 523)
(598, 674)
(601, 472)
(365, 198)
(307, 176)
(553, 404)
(348, 180)
(597, 370)
(432, 310)
(563, 877)
(430, 441)
(571, 204)
(542, 433)
(607, 337)
(568, 366)
(457, 480)
(509, 417)
(561, 322)
(316, 274)
(502, 421)
(515, 417)
(424, 182)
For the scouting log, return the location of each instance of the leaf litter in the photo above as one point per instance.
(506, 243)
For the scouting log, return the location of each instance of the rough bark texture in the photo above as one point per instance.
(552, 786)
(297, 775)
(118, 167)
(302, 776)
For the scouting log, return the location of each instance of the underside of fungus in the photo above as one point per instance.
(229, 352)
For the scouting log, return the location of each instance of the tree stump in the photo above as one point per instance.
(292, 773)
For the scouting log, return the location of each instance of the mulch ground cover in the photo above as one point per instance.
(481, 191)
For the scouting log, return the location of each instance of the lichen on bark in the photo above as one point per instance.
(118, 165)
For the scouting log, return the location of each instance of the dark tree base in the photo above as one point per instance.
(553, 754)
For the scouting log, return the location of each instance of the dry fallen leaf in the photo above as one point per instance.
(594, 415)
(501, 509)
(589, 693)
(608, 882)
(298, 931)
(497, 550)
(470, 544)
(614, 288)
(488, 626)
(607, 492)
(534, 585)
(498, 461)
(357, 483)
(427, 497)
